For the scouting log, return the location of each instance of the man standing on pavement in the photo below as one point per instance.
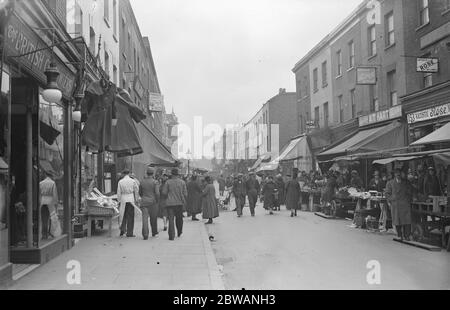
(176, 199)
(399, 195)
(149, 192)
(221, 182)
(253, 190)
(194, 198)
(239, 194)
(128, 196)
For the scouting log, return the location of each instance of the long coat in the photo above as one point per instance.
(292, 195)
(268, 192)
(399, 195)
(194, 199)
(209, 205)
(281, 186)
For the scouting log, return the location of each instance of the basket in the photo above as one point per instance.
(97, 210)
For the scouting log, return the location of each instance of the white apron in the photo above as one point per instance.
(124, 199)
(55, 225)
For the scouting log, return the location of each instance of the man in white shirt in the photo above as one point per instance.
(127, 194)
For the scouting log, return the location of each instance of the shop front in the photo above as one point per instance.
(36, 146)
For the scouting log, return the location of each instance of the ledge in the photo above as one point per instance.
(422, 26)
(389, 46)
(446, 12)
(350, 69)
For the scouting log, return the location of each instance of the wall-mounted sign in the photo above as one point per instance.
(366, 76)
(381, 116)
(428, 114)
(21, 39)
(428, 65)
(156, 102)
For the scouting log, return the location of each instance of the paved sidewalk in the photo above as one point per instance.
(188, 263)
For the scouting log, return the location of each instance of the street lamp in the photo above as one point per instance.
(52, 93)
(189, 156)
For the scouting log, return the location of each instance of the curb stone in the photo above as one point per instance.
(215, 276)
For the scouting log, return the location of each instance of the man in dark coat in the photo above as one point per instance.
(222, 184)
(149, 192)
(268, 192)
(293, 195)
(377, 184)
(194, 198)
(280, 190)
(399, 195)
(431, 184)
(239, 194)
(253, 188)
(356, 181)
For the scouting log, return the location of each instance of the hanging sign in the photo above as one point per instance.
(428, 65)
(156, 102)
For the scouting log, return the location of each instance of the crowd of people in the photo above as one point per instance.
(169, 196)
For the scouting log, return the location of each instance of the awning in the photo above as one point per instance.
(296, 149)
(386, 161)
(268, 167)
(379, 138)
(438, 136)
(263, 158)
(442, 158)
(3, 166)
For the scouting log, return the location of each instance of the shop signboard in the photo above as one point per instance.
(366, 76)
(380, 116)
(428, 65)
(156, 103)
(21, 39)
(429, 114)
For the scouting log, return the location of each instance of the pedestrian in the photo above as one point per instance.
(194, 198)
(399, 196)
(377, 184)
(149, 192)
(239, 194)
(209, 202)
(222, 184)
(162, 199)
(280, 186)
(268, 192)
(293, 195)
(329, 192)
(176, 198)
(356, 181)
(431, 184)
(253, 189)
(128, 196)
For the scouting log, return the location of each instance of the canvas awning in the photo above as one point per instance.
(296, 149)
(3, 166)
(268, 167)
(438, 136)
(263, 158)
(386, 161)
(373, 139)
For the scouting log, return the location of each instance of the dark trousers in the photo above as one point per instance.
(240, 203)
(152, 213)
(45, 219)
(403, 231)
(128, 220)
(175, 215)
(252, 199)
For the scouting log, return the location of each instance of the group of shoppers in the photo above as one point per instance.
(165, 196)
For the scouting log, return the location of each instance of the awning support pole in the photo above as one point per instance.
(29, 166)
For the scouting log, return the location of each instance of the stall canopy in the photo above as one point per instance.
(268, 167)
(379, 138)
(260, 160)
(386, 161)
(3, 166)
(438, 136)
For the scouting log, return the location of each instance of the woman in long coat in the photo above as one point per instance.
(399, 195)
(293, 195)
(281, 186)
(194, 199)
(209, 203)
(268, 192)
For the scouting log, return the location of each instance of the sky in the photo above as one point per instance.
(223, 59)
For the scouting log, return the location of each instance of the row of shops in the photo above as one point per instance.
(413, 136)
(80, 141)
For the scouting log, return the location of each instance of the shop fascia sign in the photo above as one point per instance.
(156, 102)
(21, 39)
(429, 114)
(428, 65)
(381, 116)
(366, 75)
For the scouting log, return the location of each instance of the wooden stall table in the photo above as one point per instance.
(106, 215)
(429, 216)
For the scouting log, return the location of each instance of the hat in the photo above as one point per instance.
(175, 171)
(126, 171)
(150, 171)
(354, 172)
(431, 168)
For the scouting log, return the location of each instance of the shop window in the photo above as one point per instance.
(427, 80)
(424, 14)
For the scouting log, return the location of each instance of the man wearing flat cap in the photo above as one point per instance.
(176, 192)
(149, 192)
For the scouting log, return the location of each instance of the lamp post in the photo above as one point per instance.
(189, 156)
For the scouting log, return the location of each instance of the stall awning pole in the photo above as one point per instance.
(29, 165)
